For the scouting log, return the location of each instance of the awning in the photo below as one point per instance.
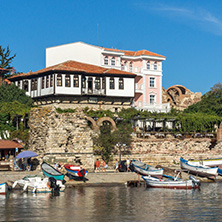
(9, 144)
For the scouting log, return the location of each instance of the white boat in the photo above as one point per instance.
(3, 188)
(146, 170)
(203, 171)
(171, 183)
(38, 184)
(206, 162)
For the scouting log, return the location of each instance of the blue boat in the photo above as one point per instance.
(50, 171)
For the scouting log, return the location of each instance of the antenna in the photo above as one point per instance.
(97, 34)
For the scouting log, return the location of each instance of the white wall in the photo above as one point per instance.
(78, 51)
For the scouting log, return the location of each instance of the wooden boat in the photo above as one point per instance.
(50, 171)
(75, 170)
(217, 162)
(171, 183)
(38, 184)
(146, 170)
(202, 171)
(3, 188)
(206, 162)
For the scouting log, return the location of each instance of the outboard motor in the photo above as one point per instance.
(55, 189)
(196, 183)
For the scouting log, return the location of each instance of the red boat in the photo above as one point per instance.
(75, 170)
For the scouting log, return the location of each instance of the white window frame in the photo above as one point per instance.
(131, 67)
(113, 61)
(106, 60)
(152, 82)
(148, 65)
(152, 99)
(155, 66)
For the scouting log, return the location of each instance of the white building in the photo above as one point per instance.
(79, 84)
(145, 64)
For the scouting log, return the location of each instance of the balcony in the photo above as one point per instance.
(86, 91)
(164, 107)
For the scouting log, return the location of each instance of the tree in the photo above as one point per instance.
(5, 58)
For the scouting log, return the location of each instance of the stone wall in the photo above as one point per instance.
(61, 137)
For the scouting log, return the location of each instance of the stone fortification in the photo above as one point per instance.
(62, 137)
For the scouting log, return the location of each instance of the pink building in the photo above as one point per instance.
(145, 64)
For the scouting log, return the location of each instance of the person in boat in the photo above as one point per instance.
(97, 165)
(59, 166)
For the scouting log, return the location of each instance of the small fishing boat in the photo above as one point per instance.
(39, 184)
(75, 170)
(216, 162)
(3, 188)
(146, 170)
(171, 182)
(50, 171)
(202, 171)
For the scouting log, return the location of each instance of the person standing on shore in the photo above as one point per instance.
(104, 166)
(97, 165)
(116, 166)
(128, 164)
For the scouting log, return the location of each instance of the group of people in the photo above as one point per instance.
(104, 166)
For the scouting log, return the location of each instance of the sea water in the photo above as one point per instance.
(115, 203)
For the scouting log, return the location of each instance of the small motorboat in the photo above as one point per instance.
(50, 171)
(75, 170)
(146, 170)
(202, 171)
(172, 182)
(39, 184)
(3, 188)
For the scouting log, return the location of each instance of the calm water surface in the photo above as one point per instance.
(117, 203)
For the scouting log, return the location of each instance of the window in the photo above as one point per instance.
(97, 83)
(111, 83)
(125, 66)
(67, 81)
(34, 84)
(83, 82)
(152, 99)
(152, 82)
(47, 81)
(43, 82)
(19, 83)
(59, 80)
(113, 62)
(122, 66)
(103, 83)
(25, 85)
(148, 65)
(131, 67)
(76, 81)
(155, 66)
(121, 83)
(106, 61)
(51, 80)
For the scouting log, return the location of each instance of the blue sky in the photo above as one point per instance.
(188, 33)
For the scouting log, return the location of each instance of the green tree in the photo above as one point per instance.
(5, 57)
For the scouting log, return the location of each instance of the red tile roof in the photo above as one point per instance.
(135, 53)
(8, 144)
(74, 66)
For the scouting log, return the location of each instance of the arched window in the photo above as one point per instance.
(125, 66)
(152, 99)
(148, 65)
(76, 81)
(19, 83)
(59, 80)
(121, 83)
(97, 83)
(111, 83)
(47, 81)
(155, 66)
(106, 61)
(25, 85)
(67, 81)
(113, 61)
(131, 67)
(43, 82)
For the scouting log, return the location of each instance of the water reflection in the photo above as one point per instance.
(117, 203)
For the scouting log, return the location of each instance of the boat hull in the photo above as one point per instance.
(198, 170)
(76, 171)
(170, 184)
(3, 188)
